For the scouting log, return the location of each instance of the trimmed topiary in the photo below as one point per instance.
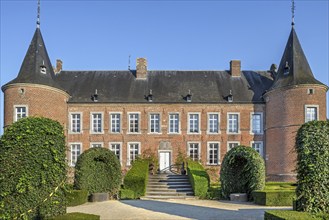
(242, 171)
(199, 178)
(98, 170)
(312, 146)
(32, 169)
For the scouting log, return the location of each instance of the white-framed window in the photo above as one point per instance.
(133, 120)
(233, 123)
(213, 153)
(194, 150)
(115, 147)
(96, 144)
(96, 122)
(75, 122)
(213, 123)
(21, 111)
(154, 123)
(174, 122)
(311, 112)
(258, 146)
(193, 123)
(76, 150)
(134, 150)
(115, 122)
(256, 123)
(232, 144)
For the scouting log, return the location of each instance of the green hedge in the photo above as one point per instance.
(274, 197)
(289, 215)
(76, 216)
(312, 146)
(76, 197)
(242, 171)
(136, 178)
(199, 178)
(98, 170)
(126, 194)
(32, 169)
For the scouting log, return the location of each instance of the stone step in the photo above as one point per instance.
(167, 180)
(169, 194)
(166, 197)
(169, 190)
(157, 186)
(168, 177)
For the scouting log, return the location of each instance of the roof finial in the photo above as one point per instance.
(293, 7)
(38, 17)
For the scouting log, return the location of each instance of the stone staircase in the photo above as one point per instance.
(169, 186)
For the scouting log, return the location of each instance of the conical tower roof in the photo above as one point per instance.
(36, 67)
(294, 68)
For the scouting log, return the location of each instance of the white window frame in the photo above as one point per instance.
(128, 151)
(261, 147)
(71, 122)
(311, 106)
(150, 123)
(178, 121)
(139, 122)
(208, 122)
(188, 122)
(232, 142)
(92, 123)
(120, 149)
(15, 111)
(228, 124)
(208, 153)
(94, 143)
(71, 155)
(261, 123)
(120, 122)
(199, 149)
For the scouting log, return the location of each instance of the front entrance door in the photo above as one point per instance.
(164, 161)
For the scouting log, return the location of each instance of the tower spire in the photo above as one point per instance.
(293, 7)
(38, 16)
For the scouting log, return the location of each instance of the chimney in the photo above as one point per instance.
(141, 68)
(235, 68)
(59, 65)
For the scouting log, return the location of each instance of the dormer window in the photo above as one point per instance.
(189, 96)
(150, 96)
(230, 97)
(95, 96)
(286, 69)
(43, 69)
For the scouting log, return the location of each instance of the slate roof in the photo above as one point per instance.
(166, 86)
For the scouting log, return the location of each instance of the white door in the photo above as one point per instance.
(164, 160)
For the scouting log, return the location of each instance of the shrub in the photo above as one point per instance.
(137, 177)
(33, 169)
(213, 192)
(288, 215)
(242, 171)
(199, 178)
(312, 146)
(98, 170)
(76, 216)
(76, 197)
(274, 197)
(126, 194)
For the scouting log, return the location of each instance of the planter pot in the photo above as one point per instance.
(99, 197)
(239, 197)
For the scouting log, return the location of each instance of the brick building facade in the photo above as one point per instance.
(201, 114)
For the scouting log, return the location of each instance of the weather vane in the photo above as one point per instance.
(293, 7)
(38, 17)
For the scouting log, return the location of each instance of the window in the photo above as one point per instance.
(311, 113)
(193, 123)
(231, 145)
(256, 123)
(174, 123)
(154, 123)
(258, 146)
(116, 149)
(92, 145)
(213, 154)
(133, 152)
(233, 123)
(213, 122)
(193, 151)
(75, 153)
(96, 123)
(115, 123)
(20, 112)
(133, 122)
(310, 91)
(75, 123)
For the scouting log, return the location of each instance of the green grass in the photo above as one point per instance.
(213, 192)
(76, 216)
(290, 215)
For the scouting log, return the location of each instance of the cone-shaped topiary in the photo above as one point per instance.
(242, 171)
(98, 170)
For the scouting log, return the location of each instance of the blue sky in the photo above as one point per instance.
(172, 35)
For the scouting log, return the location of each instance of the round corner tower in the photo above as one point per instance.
(296, 97)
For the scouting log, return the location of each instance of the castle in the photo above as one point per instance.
(201, 114)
